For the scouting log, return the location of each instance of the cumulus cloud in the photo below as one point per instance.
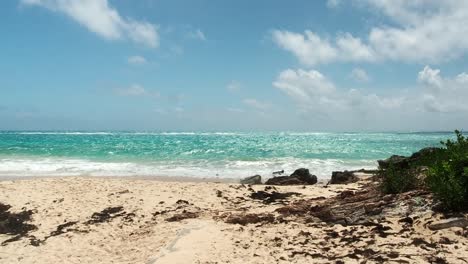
(430, 77)
(314, 93)
(136, 60)
(316, 96)
(104, 20)
(305, 86)
(443, 94)
(360, 75)
(309, 48)
(420, 31)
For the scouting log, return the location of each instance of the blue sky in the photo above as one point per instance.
(373, 65)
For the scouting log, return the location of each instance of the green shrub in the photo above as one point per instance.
(398, 180)
(448, 174)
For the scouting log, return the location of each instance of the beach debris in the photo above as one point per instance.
(106, 215)
(182, 202)
(300, 176)
(14, 223)
(448, 223)
(350, 208)
(256, 179)
(343, 177)
(245, 219)
(272, 197)
(182, 216)
(62, 229)
(278, 172)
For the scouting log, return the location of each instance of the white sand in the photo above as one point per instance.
(206, 239)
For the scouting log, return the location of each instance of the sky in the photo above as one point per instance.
(265, 65)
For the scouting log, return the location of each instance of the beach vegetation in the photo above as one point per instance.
(448, 174)
(397, 180)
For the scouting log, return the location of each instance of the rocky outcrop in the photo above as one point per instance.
(300, 176)
(256, 179)
(343, 177)
(395, 160)
(448, 223)
(402, 162)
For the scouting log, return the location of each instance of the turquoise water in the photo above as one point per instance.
(199, 154)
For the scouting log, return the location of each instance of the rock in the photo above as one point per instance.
(300, 176)
(343, 177)
(399, 162)
(448, 223)
(268, 198)
(423, 154)
(256, 179)
(402, 162)
(245, 219)
(182, 216)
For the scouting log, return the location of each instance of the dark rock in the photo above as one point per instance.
(423, 153)
(448, 223)
(399, 162)
(256, 179)
(343, 177)
(268, 198)
(299, 177)
(182, 216)
(244, 219)
(402, 162)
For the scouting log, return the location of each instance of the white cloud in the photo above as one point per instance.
(352, 49)
(305, 86)
(233, 86)
(418, 31)
(99, 17)
(309, 48)
(430, 76)
(197, 34)
(317, 96)
(136, 60)
(254, 103)
(462, 78)
(360, 75)
(443, 94)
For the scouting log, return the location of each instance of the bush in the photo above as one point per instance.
(398, 180)
(448, 174)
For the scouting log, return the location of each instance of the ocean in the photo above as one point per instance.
(204, 154)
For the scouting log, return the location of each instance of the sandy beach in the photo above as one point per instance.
(131, 220)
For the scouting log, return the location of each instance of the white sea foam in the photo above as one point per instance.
(199, 168)
(63, 133)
